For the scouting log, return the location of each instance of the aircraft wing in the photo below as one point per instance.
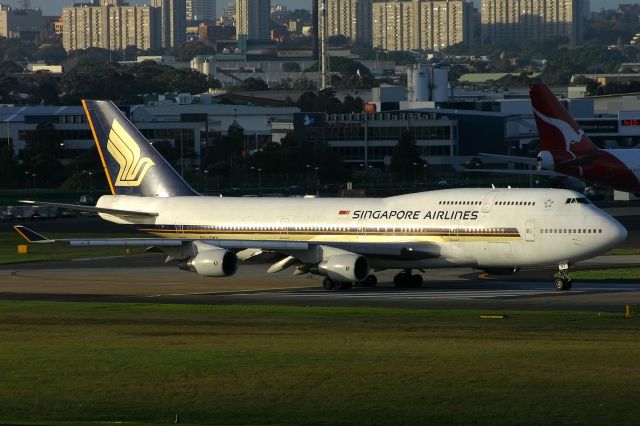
(579, 161)
(411, 251)
(92, 209)
(511, 159)
(33, 237)
(535, 172)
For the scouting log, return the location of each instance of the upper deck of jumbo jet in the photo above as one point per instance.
(467, 203)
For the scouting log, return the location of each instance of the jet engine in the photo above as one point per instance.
(345, 268)
(213, 262)
(545, 160)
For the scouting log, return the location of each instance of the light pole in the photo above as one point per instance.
(260, 182)
(33, 175)
(91, 183)
(181, 155)
(253, 169)
(308, 168)
(317, 181)
(415, 174)
(206, 181)
(424, 174)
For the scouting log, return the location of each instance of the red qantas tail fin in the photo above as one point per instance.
(558, 131)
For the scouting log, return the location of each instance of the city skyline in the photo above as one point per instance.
(54, 7)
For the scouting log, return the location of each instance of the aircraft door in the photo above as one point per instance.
(284, 228)
(530, 230)
(361, 231)
(454, 233)
(180, 228)
(487, 204)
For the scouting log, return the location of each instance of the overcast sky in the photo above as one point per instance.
(54, 7)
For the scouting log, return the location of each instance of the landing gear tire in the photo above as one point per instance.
(562, 281)
(370, 281)
(416, 281)
(562, 284)
(404, 279)
(400, 280)
(344, 286)
(327, 284)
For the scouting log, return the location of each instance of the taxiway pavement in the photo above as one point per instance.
(145, 279)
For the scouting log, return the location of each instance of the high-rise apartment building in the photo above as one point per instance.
(20, 23)
(350, 18)
(173, 26)
(253, 18)
(229, 14)
(521, 20)
(430, 25)
(201, 10)
(110, 26)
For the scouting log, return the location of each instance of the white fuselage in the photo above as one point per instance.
(489, 228)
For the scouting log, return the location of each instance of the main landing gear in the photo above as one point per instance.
(329, 284)
(561, 280)
(404, 279)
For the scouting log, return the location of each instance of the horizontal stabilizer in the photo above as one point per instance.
(580, 161)
(532, 172)
(92, 209)
(510, 159)
(31, 236)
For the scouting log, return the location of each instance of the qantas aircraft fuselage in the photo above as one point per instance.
(568, 150)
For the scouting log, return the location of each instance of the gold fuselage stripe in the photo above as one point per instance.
(327, 236)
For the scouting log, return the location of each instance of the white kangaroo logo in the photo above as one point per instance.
(570, 136)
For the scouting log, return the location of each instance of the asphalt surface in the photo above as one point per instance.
(145, 278)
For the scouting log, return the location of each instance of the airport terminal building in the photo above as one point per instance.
(368, 139)
(187, 125)
(447, 134)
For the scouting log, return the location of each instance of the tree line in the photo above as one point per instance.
(226, 162)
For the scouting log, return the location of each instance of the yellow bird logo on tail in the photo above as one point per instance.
(126, 152)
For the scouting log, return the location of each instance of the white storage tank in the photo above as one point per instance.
(421, 84)
(418, 83)
(196, 64)
(440, 79)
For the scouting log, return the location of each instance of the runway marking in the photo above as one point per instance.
(453, 294)
(275, 290)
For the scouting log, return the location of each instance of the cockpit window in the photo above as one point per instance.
(579, 200)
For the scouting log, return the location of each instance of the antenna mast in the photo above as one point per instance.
(325, 72)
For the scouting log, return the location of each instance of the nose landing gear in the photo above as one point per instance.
(561, 279)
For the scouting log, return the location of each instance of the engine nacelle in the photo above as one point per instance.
(345, 268)
(545, 160)
(214, 262)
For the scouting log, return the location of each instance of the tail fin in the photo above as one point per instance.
(558, 131)
(132, 165)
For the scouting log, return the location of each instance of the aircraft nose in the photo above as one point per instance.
(617, 233)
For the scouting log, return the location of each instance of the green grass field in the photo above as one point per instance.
(617, 274)
(65, 362)
(51, 252)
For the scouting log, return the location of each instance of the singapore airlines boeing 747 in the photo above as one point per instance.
(342, 239)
